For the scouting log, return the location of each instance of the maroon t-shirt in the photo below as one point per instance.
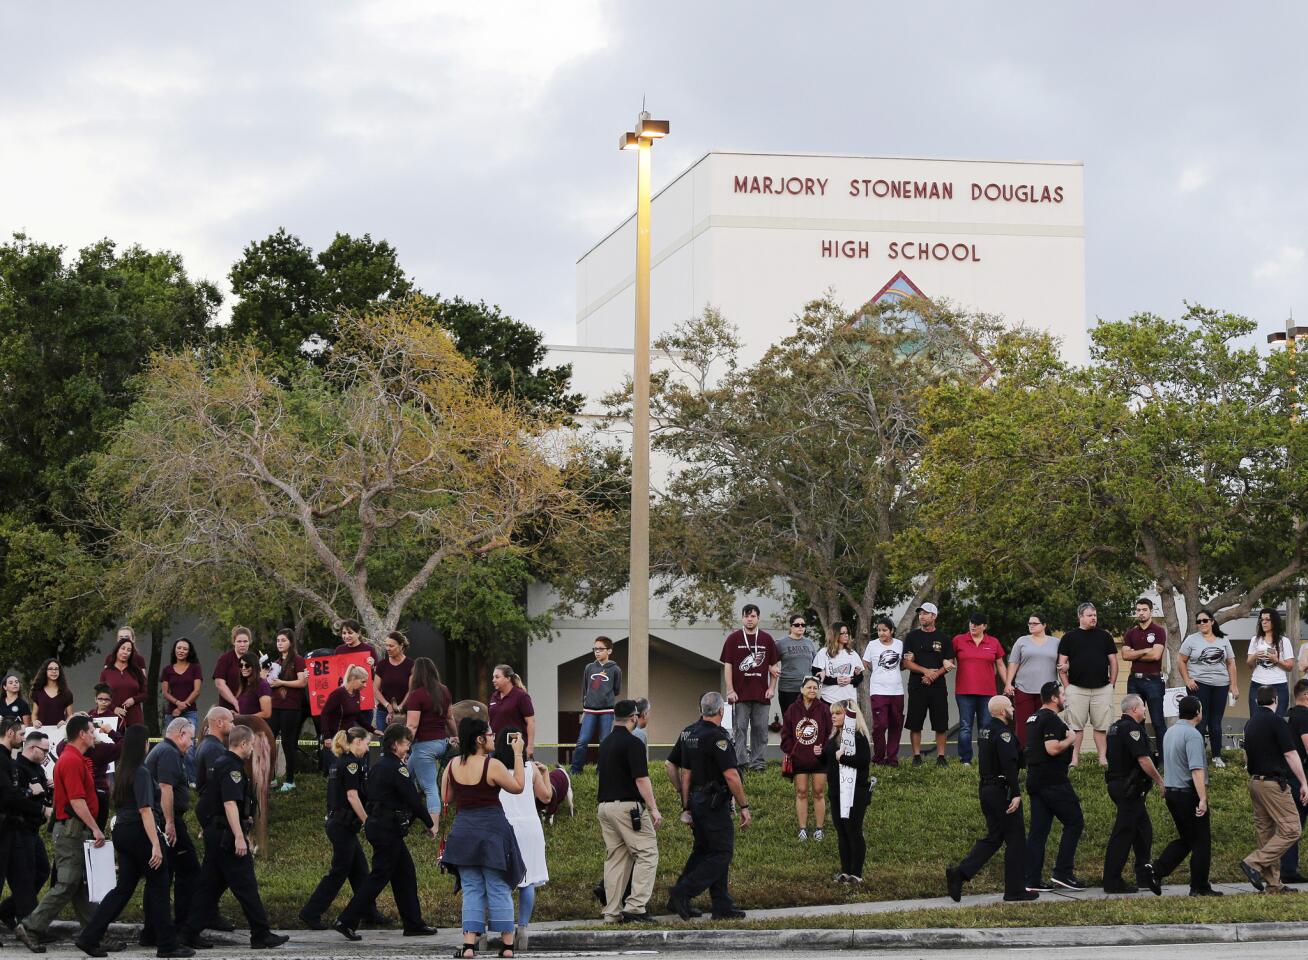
(180, 685)
(751, 660)
(510, 710)
(290, 698)
(123, 685)
(1139, 639)
(228, 668)
(50, 710)
(431, 720)
(346, 648)
(394, 678)
(342, 710)
(248, 702)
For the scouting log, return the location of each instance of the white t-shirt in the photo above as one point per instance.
(885, 665)
(1272, 674)
(843, 664)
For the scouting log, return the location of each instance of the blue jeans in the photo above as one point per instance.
(526, 903)
(379, 715)
(1212, 700)
(973, 711)
(486, 889)
(1150, 689)
(425, 764)
(1282, 696)
(591, 725)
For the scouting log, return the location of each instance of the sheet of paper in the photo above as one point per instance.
(101, 875)
(1172, 700)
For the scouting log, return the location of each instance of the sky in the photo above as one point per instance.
(481, 138)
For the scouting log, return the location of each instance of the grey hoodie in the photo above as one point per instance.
(600, 685)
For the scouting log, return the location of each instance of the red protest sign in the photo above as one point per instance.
(326, 674)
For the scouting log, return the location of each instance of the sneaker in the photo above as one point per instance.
(1040, 886)
(841, 878)
(818, 835)
(917, 759)
(1219, 763)
(853, 878)
(803, 834)
(941, 761)
(1068, 882)
(287, 787)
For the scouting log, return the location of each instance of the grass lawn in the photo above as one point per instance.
(920, 820)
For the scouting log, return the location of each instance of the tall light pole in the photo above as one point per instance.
(641, 140)
(1291, 334)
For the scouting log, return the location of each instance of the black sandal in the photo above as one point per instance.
(467, 951)
(506, 950)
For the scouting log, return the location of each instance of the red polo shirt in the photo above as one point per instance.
(976, 665)
(73, 781)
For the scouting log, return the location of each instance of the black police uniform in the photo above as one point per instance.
(1050, 794)
(1000, 758)
(226, 782)
(706, 750)
(393, 804)
(1128, 786)
(22, 854)
(346, 773)
(166, 764)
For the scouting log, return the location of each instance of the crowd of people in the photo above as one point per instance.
(1028, 708)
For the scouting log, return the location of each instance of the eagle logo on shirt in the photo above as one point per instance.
(888, 660)
(1211, 655)
(806, 731)
(750, 661)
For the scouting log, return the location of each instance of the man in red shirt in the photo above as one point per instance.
(1143, 648)
(75, 806)
(752, 668)
(979, 656)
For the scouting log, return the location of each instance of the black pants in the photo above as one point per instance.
(102, 811)
(286, 727)
(391, 863)
(183, 874)
(1050, 802)
(1289, 859)
(710, 857)
(1132, 830)
(27, 868)
(132, 848)
(785, 698)
(348, 863)
(1194, 839)
(224, 870)
(1003, 829)
(849, 837)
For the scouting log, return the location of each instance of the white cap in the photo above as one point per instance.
(930, 608)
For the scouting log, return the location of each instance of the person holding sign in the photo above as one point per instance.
(351, 638)
(849, 754)
(136, 844)
(76, 807)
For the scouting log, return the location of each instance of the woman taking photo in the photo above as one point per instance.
(426, 712)
(139, 854)
(838, 668)
(1207, 665)
(126, 682)
(849, 754)
(1032, 663)
(1271, 656)
(181, 682)
(288, 680)
(520, 811)
(805, 730)
(482, 848)
(52, 701)
(346, 815)
(253, 694)
(390, 680)
(394, 804)
(12, 704)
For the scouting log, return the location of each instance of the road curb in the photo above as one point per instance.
(930, 939)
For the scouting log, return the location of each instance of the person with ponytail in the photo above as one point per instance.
(347, 780)
(510, 706)
(426, 712)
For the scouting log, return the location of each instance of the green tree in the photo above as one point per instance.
(74, 332)
(1169, 462)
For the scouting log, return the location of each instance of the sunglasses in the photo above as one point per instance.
(1204, 620)
(799, 623)
(246, 666)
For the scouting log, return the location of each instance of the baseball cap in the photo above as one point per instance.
(929, 608)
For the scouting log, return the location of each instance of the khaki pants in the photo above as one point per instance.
(633, 857)
(70, 863)
(1277, 821)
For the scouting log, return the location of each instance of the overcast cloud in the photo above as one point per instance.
(480, 138)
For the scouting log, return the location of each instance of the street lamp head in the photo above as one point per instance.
(1279, 337)
(628, 141)
(647, 130)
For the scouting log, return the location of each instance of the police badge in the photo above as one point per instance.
(352, 767)
(404, 771)
(1135, 734)
(236, 776)
(1005, 736)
